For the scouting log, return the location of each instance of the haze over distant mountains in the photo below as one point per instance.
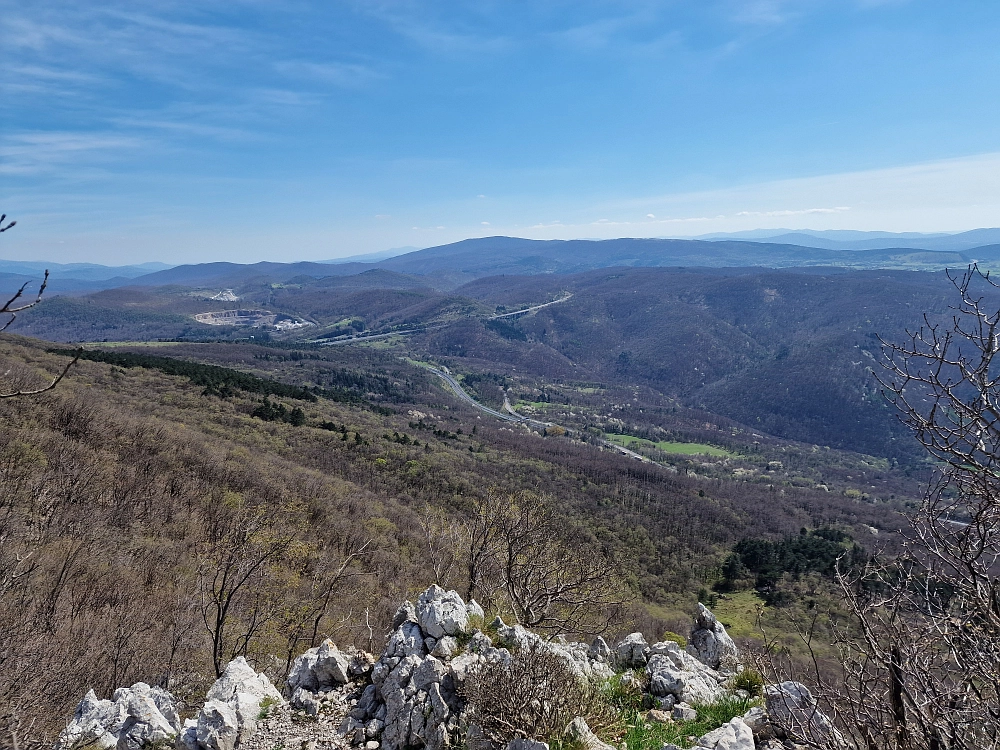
(448, 266)
(848, 239)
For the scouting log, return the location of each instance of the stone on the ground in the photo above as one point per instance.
(525, 743)
(410, 698)
(306, 701)
(792, 707)
(683, 712)
(734, 735)
(218, 727)
(674, 672)
(631, 651)
(323, 666)
(757, 719)
(445, 648)
(709, 641)
(578, 732)
(667, 702)
(234, 702)
(240, 677)
(600, 650)
(658, 716)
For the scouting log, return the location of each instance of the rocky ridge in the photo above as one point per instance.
(410, 697)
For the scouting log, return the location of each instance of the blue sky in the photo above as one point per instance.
(252, 129)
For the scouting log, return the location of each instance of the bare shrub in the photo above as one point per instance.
(536, 695)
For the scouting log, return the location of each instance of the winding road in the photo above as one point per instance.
(513, 416)
(531, 309)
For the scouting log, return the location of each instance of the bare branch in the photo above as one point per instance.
(50, 386)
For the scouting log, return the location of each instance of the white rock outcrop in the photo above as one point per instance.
(709, 641)
(792, 707)
(321, 667)
(232, 708)
(674, 672)
(631, 652)
(135, 717)
(734, 735)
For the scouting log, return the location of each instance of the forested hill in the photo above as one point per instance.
(131, 484)
(790, 353)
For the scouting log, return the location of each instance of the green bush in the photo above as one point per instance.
(750, 680)
(680, 640)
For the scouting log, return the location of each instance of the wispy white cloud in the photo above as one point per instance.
(347, 75)
(33, 153)
(157, 122)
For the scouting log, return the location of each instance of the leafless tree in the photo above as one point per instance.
(235, 604)
(444, 539)
(329, 578)
(547, 572)
(921, 661)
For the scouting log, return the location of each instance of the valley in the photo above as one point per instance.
(663, 415)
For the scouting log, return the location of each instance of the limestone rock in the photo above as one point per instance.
(324, 666)
(757, 719)
(578, 732)
(134, 717)
(188, 738)
(240, 677)
(406, 613)
(524, 743)
(673, 672)
(735, 735)
(442, 613)
(631, 651)
(331, 666)
(709, 641)
(683, 712)
(658, 716)
(406, 640)
(305, 700)
(600, 650)
(473, 609)
(792, 707)
(218, 727)
(445, 648)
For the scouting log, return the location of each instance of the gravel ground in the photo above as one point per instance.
(289, 729)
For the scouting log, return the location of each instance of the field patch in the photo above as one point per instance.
(687, 449)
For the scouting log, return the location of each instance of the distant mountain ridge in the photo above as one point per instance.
(847, 239)
(449, 266)
(457, 263)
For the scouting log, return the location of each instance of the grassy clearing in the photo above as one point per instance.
(641, 734)
(738, 612)
(687, 449)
